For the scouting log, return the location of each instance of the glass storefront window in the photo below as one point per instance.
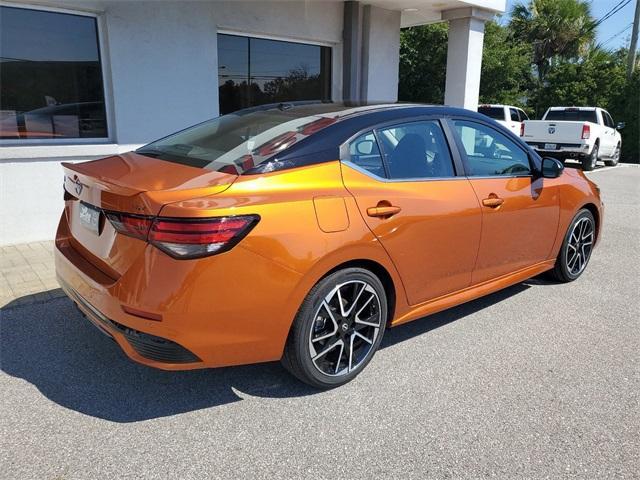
(50, 76)
(255, 71)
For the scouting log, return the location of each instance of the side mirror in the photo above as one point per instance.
(551, 168)
(620, 125)
(365, 147)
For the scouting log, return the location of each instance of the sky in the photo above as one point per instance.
(610, 27)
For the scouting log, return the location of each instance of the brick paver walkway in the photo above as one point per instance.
(27, 274)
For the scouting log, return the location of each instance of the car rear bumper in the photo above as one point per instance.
(562, 149)
(185, 314)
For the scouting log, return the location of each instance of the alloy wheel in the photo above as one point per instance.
(579, 246)
(345, 328)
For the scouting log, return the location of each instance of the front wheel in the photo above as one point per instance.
(576, 248)
(589, 162)
(337, 329)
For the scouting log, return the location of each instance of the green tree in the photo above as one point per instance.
(506, 67)
(423, 63)
(555, 29)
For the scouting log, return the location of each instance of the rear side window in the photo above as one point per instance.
(515, 116)
(489, 152)
(523, 116)
(416, 150)
(572, 115)
(497, 113)
(364, 152)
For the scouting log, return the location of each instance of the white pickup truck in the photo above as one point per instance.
(507, 115)
(584, 133)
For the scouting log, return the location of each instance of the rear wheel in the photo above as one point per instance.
(576, 248)
(589, 162)
(613, 161)
(337, 329)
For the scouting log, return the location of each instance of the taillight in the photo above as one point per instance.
(186, 237)
(136, 226)
(522, 129)
(192, 238)
(586, 131)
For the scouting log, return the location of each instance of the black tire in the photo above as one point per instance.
(297, 357)
(589, 162)
(613, 161)
(562, 271)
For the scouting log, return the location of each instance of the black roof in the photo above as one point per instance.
(352, 118)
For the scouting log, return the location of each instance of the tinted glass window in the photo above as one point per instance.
(514, 114)
(237, 142)
(50, 75)
(416, 150)
(572, 115)
(256, 71)
(364, 152)
(608, 121)
(523, 116)
(496, 113)
(490, 153)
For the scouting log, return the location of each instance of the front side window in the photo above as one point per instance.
(51, 76)
(608, 120)
(416, 150)
(257, 71)
(490, 153)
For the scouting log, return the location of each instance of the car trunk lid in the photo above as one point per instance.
(129, 183)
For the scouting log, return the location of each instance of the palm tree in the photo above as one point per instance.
(555, 28)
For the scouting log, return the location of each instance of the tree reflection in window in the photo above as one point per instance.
(254, 71)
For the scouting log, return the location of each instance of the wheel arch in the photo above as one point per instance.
(591, 207)
(379, 271)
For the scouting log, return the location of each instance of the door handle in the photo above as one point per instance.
(492, 202)
(384, 212)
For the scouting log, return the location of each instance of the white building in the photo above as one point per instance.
(85, 79)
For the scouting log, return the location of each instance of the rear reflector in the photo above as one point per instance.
(522, 129)
(186, 237)
(586, 131)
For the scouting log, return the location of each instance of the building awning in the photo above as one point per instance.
(420, 12)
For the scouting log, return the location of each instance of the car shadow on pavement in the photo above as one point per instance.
(51, 346)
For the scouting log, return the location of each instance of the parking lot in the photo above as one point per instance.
(537, 381)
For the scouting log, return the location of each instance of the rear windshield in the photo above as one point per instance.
(572, 115)
(239, 141)
(492, 112)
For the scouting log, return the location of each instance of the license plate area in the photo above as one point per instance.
(89, 217)
(550, 146)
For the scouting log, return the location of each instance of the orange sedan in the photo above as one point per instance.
(299, 232)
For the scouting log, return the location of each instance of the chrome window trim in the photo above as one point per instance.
(400, 180)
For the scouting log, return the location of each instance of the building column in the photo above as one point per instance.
(371, 53)
(352, 51)
(464, 56)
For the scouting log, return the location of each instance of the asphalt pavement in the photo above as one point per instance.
(540, 380)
